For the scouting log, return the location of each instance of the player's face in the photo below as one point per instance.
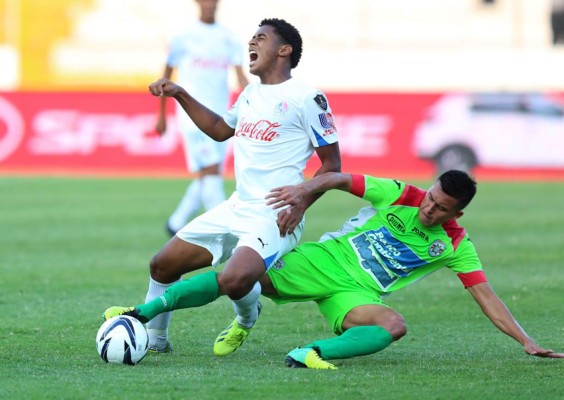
(263, 50)
(438, 207)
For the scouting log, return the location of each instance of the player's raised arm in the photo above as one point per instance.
(206, 120)
(502, 318)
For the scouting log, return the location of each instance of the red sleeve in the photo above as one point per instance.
(358, 187)
(411, 196)
(472, 278)
(455, 232)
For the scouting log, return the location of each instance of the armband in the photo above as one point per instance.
(358, 187)
(472, 278)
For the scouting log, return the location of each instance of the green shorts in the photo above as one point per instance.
(310, 273)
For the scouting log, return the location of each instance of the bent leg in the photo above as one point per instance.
(167, 267)
(176, 258)
(239, 281)
(354, 342)
(368, 329)
(379, 315)
(194, 292)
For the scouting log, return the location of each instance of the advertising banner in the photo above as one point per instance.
(385, 134)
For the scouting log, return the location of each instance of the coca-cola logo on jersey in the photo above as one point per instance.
(262, 130)
(210, 63)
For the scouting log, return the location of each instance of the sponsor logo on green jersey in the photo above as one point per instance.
(395, 222)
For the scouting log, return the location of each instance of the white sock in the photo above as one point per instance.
(189, 205)
(212, 191)
(247, 307)
(157, 328)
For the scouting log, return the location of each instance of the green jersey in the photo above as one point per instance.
(392, 249)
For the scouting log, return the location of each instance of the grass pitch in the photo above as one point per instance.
(72, 247)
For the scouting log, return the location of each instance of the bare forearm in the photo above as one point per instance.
(327, 181)
(498, 313)
(300, 197)
(324, 169)
(204, 118)
(502, 318)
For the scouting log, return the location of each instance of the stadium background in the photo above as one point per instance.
(74, 74)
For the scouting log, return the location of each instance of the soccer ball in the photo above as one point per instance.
(122, 340)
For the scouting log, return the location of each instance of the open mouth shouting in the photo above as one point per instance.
(253, 56)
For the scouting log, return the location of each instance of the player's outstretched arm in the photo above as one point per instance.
(301, 200)
(205, 119)
(293, 194)
(502, 318)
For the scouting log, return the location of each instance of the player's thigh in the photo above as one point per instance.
(241, 272)
(307, 273)
(294, 278)
(347, 299)
(373, 314)
(178, 257)
(211, 231)
(257, 229)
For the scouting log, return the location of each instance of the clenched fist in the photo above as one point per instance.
(164, 87)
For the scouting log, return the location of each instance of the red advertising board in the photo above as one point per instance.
(380, 133)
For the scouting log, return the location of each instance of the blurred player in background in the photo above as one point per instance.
(202, 56)
(276, 126)
(557, 21)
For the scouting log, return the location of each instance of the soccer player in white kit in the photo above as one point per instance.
(202, 55)
(276, 126)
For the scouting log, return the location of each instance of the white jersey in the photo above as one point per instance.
(202, 56)
(276, 130)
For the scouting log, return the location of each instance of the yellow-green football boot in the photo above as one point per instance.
(307, 358)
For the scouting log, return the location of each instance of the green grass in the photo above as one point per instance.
(71, 247)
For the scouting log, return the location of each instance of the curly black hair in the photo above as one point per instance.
(289, 35)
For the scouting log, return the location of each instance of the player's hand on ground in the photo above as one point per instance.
(548, 354)
(286, 196)
(535, 350)
(289, 218)
(164, 87)
(551, 355)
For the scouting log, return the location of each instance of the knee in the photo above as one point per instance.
(396, 326)
(378, 315)
(160, 272)
(234, 285)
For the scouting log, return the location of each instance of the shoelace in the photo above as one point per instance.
(236, 338)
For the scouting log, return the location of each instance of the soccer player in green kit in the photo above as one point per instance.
(406, 235)
(409, 234)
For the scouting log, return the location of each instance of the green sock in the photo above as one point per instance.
(357, 341)
(194, 292)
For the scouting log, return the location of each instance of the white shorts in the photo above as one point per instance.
(235, 223)
(201, 151)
